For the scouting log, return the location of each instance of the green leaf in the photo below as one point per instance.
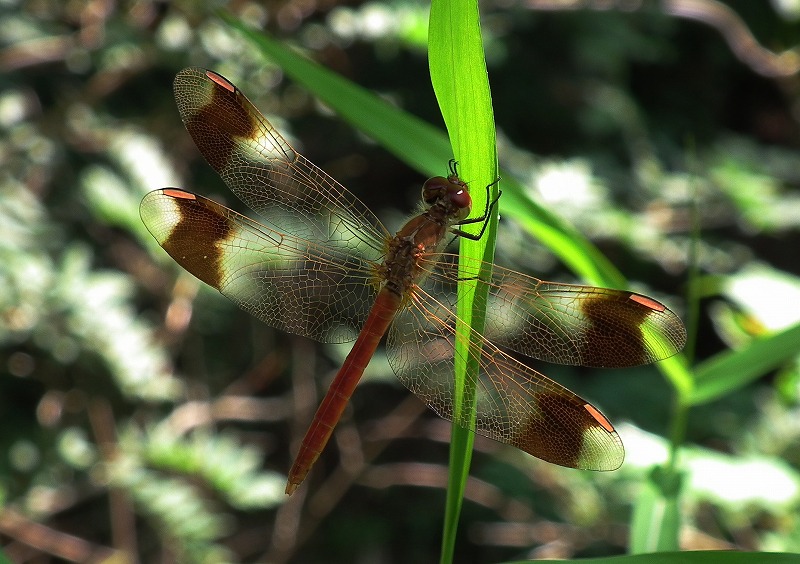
(731, 370)
(169, 504)
(414, 141)
(656, 515)
(458, 74)
(230, 468)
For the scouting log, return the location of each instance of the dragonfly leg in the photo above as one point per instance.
(487, 212)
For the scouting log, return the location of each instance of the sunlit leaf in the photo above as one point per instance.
(657, 513)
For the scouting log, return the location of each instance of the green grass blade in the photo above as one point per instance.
(417, 143)
(731, 370)
(459, 77)
(656, 514)
(563, 239)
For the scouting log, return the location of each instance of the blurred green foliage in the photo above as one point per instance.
(145, 418)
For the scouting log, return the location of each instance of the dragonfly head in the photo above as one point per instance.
(450, 192)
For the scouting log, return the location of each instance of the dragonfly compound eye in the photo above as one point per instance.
(434, 189)
(460, 198)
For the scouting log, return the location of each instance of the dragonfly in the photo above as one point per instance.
(320, 264)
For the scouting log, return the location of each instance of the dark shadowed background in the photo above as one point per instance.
(143, 416)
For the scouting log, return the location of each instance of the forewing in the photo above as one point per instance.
(322, 291)
(264, 171)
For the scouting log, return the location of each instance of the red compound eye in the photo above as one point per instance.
(459, 197)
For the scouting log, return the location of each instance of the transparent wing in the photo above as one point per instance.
(516, 405)
(319, 290)
(563, 323)
(264, 171)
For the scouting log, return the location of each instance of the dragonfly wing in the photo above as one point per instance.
(516, 405)
(319, 291)
(263, 169)
(565, 323)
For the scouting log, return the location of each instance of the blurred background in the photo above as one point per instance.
(144, 418)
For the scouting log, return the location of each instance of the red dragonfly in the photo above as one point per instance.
(321, 265)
